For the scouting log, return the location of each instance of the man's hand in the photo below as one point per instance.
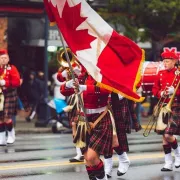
(170, 90)
(70, 84)
(81, 88)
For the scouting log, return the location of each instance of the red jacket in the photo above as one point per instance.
(11, 76)
(60, 78)
(94, 97)
(165, 79)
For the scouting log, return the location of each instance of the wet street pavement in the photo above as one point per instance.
(45, 157)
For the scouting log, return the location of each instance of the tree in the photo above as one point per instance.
(157, 18)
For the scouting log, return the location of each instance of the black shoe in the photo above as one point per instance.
(28, 119)
(165, 169)
(108, 176)
(120, 173)
(177, 166)
(82, 158)
(76, 159)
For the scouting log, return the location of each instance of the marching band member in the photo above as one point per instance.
(9, 81)
(123, 111)
(62, 77)
(100, 140)
(163, 88)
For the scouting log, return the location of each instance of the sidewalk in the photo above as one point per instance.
(22, 126)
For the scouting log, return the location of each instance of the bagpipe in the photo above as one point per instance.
(63, 62)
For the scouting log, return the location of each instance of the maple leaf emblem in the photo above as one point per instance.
(68, 23)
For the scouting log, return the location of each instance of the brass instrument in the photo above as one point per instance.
(61, 57)
(165, 114)
(152, 120)
(159, 110)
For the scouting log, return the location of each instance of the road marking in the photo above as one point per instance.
(54, 164)
(145, 127)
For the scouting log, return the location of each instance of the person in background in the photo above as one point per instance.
(9, 81)
(35, 93)
(40, 75)
(164, 87)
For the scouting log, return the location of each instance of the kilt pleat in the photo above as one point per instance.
(173, 130)
(10, 104)
(100, 139)
(122, 121)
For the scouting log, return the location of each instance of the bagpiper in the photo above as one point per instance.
(9, 81)
(99, 141)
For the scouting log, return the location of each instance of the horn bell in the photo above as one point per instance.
(61, 57)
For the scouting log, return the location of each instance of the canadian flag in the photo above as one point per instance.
(113, 60)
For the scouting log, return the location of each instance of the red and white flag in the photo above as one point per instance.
(113, 60)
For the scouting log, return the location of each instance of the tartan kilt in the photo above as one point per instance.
(100, 139)
(172, 130)
(10, 104)
(122, 122)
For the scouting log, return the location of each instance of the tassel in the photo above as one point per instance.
(80, 137)
(83, 135)
(77, 135)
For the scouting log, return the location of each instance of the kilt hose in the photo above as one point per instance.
(10, 104)
(173, 130)
(100, 139)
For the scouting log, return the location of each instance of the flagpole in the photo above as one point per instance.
(73, 77)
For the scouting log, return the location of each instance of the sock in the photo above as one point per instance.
(2, 127)
(98, 170)
(78, 151)
(90, 173)
(9, 125)
(118, 150)
(174, 144)
(167, 148)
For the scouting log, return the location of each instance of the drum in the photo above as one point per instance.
(148, 75)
